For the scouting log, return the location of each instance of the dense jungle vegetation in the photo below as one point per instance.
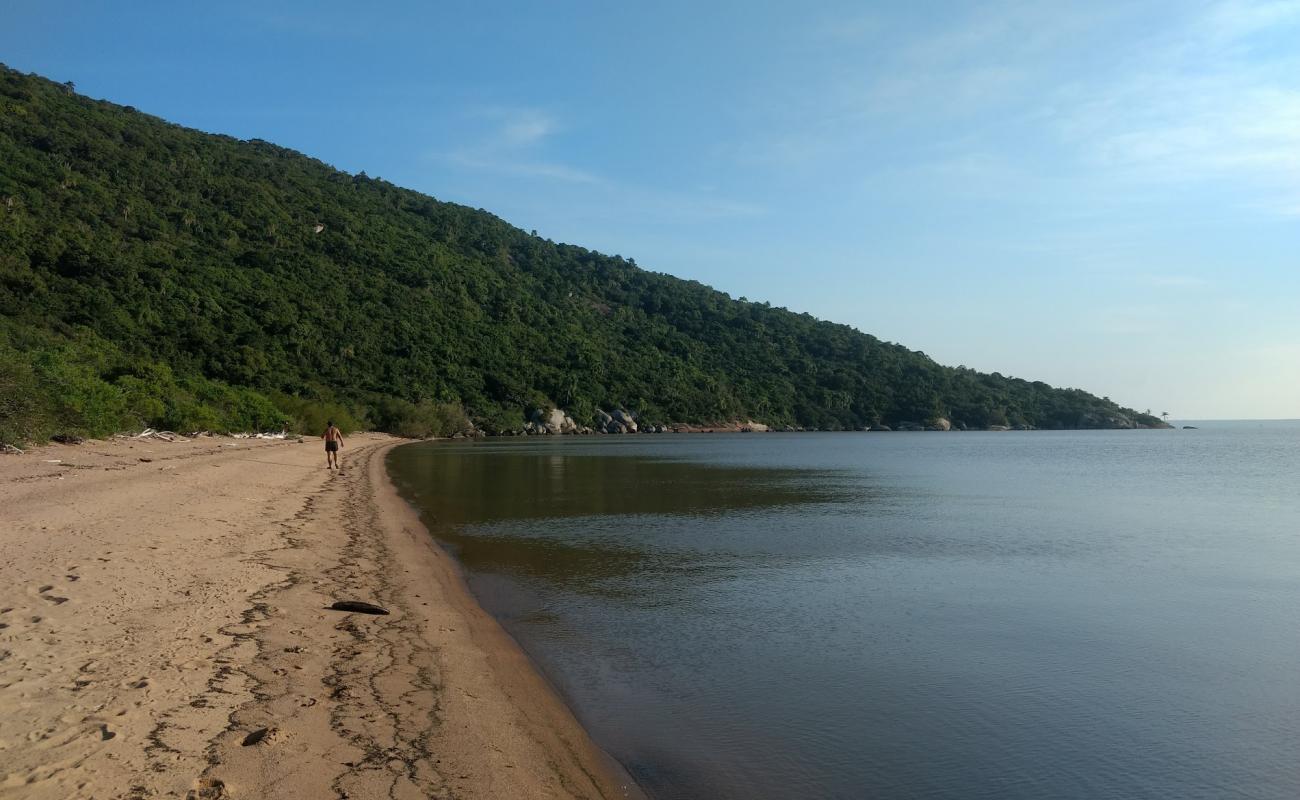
(155, 275)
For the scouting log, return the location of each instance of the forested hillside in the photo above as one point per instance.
(155, 275)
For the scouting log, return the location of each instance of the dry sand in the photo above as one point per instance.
(161, 602)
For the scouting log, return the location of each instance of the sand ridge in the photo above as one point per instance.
(166, 634)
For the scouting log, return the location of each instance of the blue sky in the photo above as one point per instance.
(1102, 195)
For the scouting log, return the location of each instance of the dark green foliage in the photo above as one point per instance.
(311, 417)
(419, 420)
(151, 274)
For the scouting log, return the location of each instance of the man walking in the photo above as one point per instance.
(333, 441)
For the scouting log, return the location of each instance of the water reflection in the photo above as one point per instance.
(1067, 615)
(584, 518)
(485, 482)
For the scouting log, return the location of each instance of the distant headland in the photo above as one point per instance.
(153, 275)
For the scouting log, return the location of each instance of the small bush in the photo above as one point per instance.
(23, 414)
(309, 417)
(419, 420)
(494, 419)
(80, 401)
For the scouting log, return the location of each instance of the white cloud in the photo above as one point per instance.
(1212, 100)
(1133, 99)
(516, 141)
(511, 145)
(520, 127)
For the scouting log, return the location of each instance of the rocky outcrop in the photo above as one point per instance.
(616, 421)
(553, 421)
(1093, 420)
(940, 424)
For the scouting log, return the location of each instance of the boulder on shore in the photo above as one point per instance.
(941, 424)
(553, 421)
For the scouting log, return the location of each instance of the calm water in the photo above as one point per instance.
(1016, 615)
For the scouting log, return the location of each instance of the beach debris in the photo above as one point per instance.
(10, 450)
(255, 737)
(146, 460)
(166, 436)
(280, 435)
(66, 438)
(358, 606)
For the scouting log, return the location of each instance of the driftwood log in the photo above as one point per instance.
(358, 606)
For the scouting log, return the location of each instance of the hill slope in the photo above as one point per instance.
(151, 274)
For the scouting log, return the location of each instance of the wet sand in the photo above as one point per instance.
(166, 634)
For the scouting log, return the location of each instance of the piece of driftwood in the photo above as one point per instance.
(166, 436)
(358, 606)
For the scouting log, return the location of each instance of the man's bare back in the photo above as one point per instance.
(333, 441)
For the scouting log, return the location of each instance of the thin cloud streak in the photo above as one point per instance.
(514, 146)
(525, 169)
(1213, 96)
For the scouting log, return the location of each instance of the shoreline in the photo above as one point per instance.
(166, 633)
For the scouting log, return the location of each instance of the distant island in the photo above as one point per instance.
(153, 275)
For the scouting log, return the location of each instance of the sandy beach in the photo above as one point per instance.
(165, 632)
